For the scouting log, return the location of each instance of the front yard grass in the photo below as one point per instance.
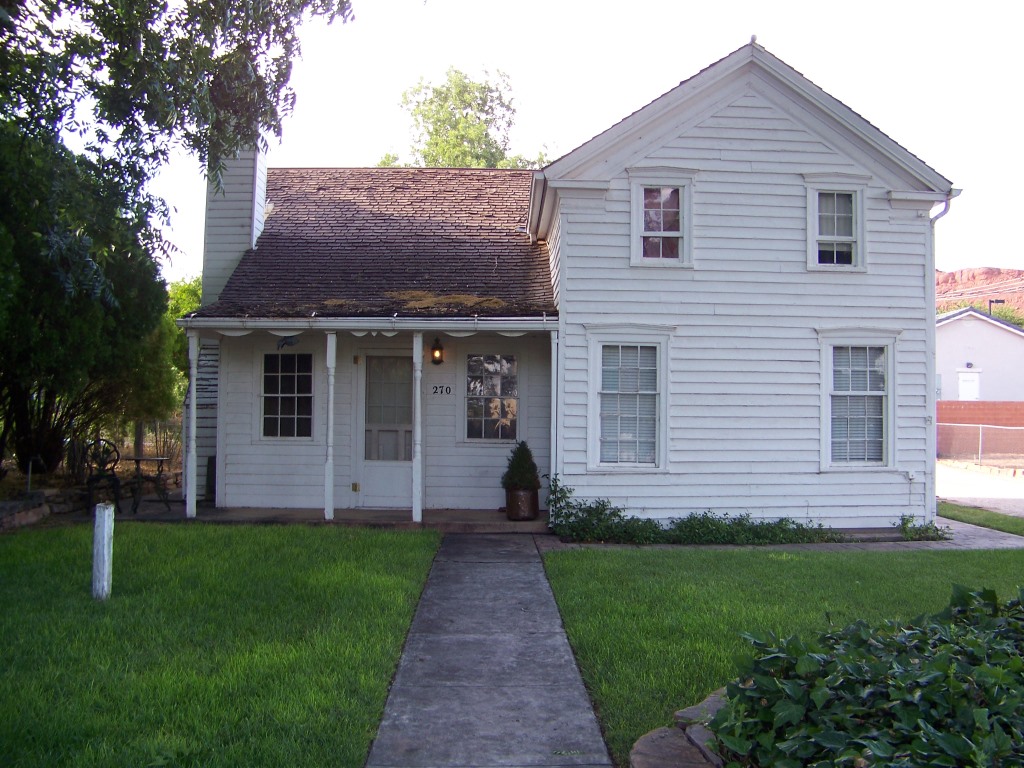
(983, 517)
(220, 645)
(656, 630)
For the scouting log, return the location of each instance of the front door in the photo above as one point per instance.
(387, 432)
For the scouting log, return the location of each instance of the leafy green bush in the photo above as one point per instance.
(941, 691)
(911, 530)
(599, 520)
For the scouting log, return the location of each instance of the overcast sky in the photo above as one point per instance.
(941, 78)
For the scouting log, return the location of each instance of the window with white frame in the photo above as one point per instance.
(858, 425)
(287, 394)
(492, 397)
(836, 241)
(835, 222)
(629, 407)
(662, 235)
(661, 200)
(859, 404)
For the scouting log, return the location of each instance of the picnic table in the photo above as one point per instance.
(141, 477)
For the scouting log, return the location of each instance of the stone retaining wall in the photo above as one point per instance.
(33, 506)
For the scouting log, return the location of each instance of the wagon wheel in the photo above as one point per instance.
(103, 455)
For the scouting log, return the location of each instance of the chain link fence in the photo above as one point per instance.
(982, 444)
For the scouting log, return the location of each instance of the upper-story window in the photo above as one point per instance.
(661, 222)
(835, 222)
(836, 241)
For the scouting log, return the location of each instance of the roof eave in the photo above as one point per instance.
(235, 326)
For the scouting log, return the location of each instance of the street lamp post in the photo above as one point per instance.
(994, 301)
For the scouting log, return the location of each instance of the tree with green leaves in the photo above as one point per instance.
(462, 124)
(93, 95)
(183, 298)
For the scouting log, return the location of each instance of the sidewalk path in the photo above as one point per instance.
(978, 487)
(487, 677)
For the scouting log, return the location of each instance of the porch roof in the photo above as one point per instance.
(427, 243)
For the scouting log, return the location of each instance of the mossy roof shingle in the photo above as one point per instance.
(372, 242)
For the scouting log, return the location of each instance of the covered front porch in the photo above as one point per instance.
(443, 520)
(368, 420)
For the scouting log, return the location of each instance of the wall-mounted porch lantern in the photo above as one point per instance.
(437, 352)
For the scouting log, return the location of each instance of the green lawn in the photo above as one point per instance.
(983, 517)
(220, 646)
(656, 630)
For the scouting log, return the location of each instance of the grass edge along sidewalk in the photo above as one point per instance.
(997, 521)
(657, 630)
(220, 645)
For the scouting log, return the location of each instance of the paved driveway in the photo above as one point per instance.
(998, 492)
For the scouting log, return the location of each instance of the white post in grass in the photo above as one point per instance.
(103, 552)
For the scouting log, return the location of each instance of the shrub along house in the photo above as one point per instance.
(723, 302)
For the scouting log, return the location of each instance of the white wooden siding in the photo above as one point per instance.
(744, 399)
(554, 238)
(458, 474)
(206, 412)
(234, 219)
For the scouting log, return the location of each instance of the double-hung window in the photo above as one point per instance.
(858, 428)
(835, 222)
(287, 393)
(858, 400)
(629, 404)
(627, 413)
(661, 217)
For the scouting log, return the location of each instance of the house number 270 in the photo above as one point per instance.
(442, 390)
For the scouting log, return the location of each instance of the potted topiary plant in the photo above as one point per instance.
(521, 482)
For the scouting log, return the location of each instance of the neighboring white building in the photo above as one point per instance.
(724, 302)
(978, 357)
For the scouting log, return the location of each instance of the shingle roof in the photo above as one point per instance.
(372, 242)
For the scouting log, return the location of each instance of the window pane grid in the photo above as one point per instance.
(288, 395)
(628, 404)
(492, 397)
(859, 402)
(662, 223)
(836, 228)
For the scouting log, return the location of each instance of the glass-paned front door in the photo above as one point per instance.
(388, 434)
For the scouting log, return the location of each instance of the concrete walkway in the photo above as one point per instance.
(983, 487)
(487, 677)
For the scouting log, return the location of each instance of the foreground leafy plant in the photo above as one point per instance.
(911, 530)
(943, 691)
(600, 520)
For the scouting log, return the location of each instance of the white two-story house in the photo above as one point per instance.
(724, 302)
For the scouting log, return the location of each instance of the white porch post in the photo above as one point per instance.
(332, 354)
(417, 427)
(190, 456)
(553, 469)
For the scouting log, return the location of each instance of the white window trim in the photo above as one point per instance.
(641, 177)
(858, 337)
(258, 436)
(837, 182)
(461, 391)
(656, 336)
